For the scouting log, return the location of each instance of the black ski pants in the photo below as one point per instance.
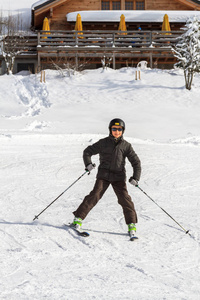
(96, 194)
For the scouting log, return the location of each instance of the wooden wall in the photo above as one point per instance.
(57, 12)
(165, 4)
(58, 15)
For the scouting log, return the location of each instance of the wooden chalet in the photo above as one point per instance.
(57, 10)
(100, 39)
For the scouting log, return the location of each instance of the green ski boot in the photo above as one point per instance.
(77, 223)
(131, 229)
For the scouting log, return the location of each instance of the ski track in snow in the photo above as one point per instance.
(45, 260)
(32, 94)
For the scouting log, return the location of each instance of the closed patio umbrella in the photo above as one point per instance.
(78, 25)
(122, 24)
(46, 27)
(165, 24)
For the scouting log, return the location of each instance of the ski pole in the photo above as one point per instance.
(36, 217)
(186, 231)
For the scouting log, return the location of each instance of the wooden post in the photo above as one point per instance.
(122, 4)
(113, 60)
(151, 61)
(76, 61)
(42, 76)
(137, 75)
(39, 63)
(38, 37)
(113, 41)
(150, 38)
(76, 39)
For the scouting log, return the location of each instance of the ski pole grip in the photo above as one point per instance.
(94, 165)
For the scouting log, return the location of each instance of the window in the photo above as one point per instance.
(139, 5)
(111, 5)
(105, 5)
(128, 5)
(116, 5)
(134, 5)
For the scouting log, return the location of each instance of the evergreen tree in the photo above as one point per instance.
(187, 50)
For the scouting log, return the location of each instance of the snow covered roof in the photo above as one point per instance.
(40, 3)
(175, 16)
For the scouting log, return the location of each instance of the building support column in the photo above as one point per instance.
(151, 60)
(76, 61)
(39, 63)
(113, 60)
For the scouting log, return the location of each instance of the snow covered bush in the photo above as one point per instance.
(187, 50)
(11, 46)
(12, 39)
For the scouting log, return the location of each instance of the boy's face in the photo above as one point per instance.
(117, 131)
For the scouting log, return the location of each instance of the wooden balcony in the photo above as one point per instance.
(120, 47)
(21, 45)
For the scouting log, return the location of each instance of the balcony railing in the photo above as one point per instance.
(107, 39)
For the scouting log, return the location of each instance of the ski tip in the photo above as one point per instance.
(80, 233)
(133, 238)
(85, 234)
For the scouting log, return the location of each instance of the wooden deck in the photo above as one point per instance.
(21, 45)
(120, 47)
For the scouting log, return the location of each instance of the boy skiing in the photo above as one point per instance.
(112, 151)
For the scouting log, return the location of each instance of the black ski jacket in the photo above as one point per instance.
(112, 155)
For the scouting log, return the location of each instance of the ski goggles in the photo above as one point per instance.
(116, 129)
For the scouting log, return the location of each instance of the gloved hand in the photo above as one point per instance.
(90, 167)
(133, 181)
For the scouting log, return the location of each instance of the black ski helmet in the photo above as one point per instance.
(117, 122)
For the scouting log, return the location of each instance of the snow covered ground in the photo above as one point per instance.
(44, 128)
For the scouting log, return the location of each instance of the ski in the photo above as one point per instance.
(78, 232)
